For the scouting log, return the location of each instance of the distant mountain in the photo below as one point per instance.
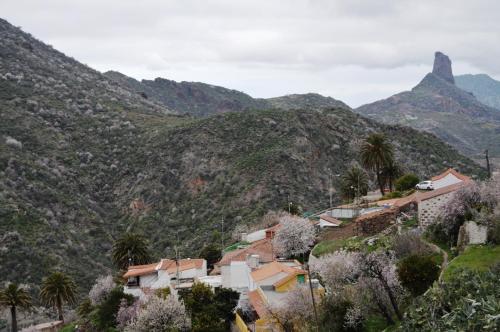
(200, 99)
(437, 105)
(309, 101)
(84, 158)
(485, 88)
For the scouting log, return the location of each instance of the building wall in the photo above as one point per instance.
(429, 210)
(446, 181)
(237, 276)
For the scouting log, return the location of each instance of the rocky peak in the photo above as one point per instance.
(442, 67)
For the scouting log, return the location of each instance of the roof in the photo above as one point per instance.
(184, 264)
(263, 248)
(165, 264)
(370, 215)
(258, 303)
(273, 268)
(329, 219)
(418, 197)
(139, 270)
(453, 172)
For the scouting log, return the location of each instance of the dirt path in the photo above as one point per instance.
(445, 257)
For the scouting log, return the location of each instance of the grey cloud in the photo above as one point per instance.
(256, 44)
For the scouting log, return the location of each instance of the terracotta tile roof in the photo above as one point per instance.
(451, 171)
(164, 264)
(184, 264)
(418, 197)
(263, 248)
(332, 220)
(258, 303)
(139, 270)
(274, 268)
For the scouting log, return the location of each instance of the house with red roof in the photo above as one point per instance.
(143, 280)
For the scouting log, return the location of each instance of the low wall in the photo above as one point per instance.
(375, 222)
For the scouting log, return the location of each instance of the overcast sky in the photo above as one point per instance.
(356, 51)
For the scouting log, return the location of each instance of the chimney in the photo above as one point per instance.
(253, 261)
(442, 67)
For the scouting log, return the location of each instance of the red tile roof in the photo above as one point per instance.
(139, 270)
(273, 268)
(258, 303)
(263, 248)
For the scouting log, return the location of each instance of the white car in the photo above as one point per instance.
(425, 185)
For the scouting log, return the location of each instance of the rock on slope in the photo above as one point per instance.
(82, 159)
(438, 106)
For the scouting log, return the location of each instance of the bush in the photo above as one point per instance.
(494, 231)
(409, 243)
(407, 182)
(417, 273)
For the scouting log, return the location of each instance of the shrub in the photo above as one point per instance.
(409, 243)
(417, 273)
(407, 182)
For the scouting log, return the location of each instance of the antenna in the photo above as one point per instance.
(176, 248)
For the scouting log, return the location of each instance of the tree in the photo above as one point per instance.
(294, 237)
(14, 297)
(160, 315)
(101, 289)
(390, 172)
(210, 311)
(376, 153)
(211, 253)
(57, 289)
(406, 182)
(105, 313)
(378, 276)
(294, 311)
(417, 273)
(132, 249)
(469, 301)
(354, 183)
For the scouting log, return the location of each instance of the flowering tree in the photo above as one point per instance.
(294, 311)
(127, 313)
(101, 289)
(472, 202)
(337, 269)
(160, 315)
(294, 237)
(379, 277)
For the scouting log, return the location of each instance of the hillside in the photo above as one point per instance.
(201, 100)
(485, 88)
(83, 158)
(437, 105)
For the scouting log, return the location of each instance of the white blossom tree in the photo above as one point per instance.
(101, 289)
(337, 269)
(159, 315)
(127, 313)
(294, 237)
(295, 311)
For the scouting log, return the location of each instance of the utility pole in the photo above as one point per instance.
(312, 296)
(177, 260)
(222, 235)
(330, 189)
(487, 164)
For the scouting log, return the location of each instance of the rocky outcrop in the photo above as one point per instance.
(442, 67)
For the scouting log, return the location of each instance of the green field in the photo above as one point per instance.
(478, 258)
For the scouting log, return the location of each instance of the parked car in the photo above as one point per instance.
(425, 185)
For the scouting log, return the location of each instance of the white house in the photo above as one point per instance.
(143, 280)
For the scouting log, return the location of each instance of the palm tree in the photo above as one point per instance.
(131, 249)
(14, 296)
(56, 289)
(390, 173)
(376, 153)
(354, 183)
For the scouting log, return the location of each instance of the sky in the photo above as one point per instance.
(356, 51)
